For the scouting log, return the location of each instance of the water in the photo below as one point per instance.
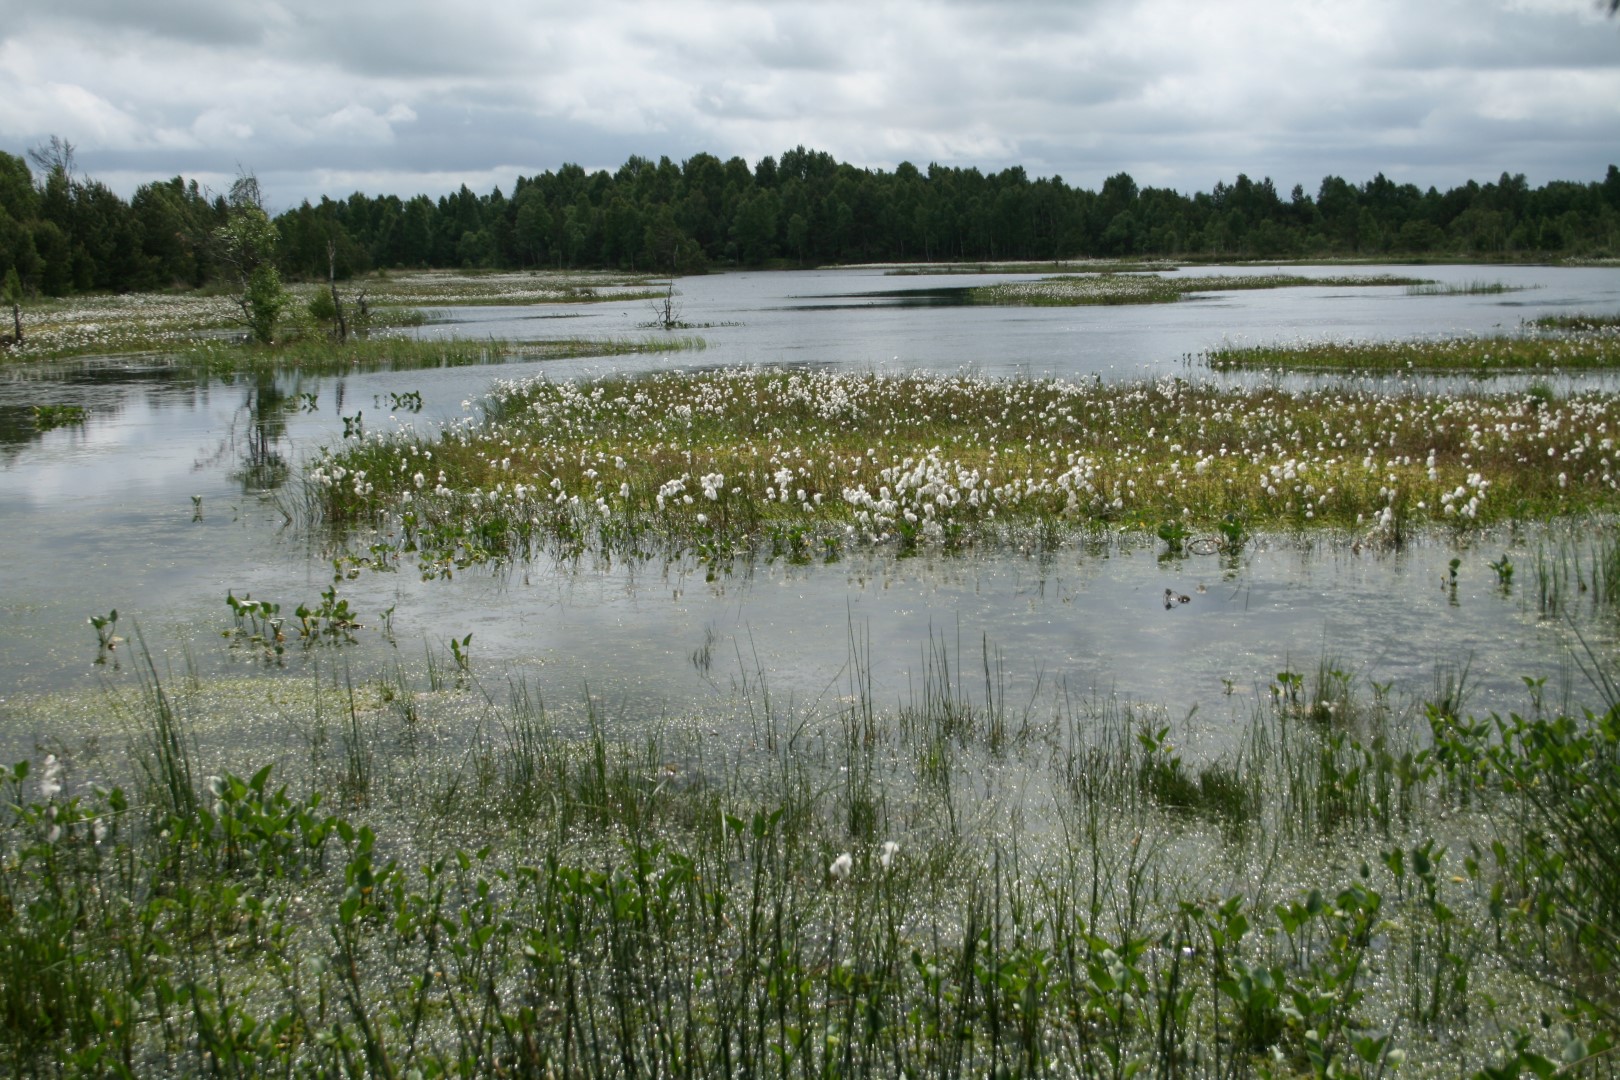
(179, 487)
(865, 319)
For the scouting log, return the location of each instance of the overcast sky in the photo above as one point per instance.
(406, 96)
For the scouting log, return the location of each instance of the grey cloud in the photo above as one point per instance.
(1478, 37)
(423, 42)
(1176, 92)
(203, 22)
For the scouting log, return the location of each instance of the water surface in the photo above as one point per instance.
(179, 487)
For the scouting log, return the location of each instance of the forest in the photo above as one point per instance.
(62, 232)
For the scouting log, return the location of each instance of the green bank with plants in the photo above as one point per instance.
(449, 879)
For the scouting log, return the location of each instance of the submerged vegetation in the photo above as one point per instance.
(1584, 346)
(962, 885)
(1118, 288)
(725, 460)
(48, 417)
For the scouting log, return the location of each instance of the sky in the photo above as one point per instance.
(420, 96)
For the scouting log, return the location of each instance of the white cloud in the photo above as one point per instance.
(221, 126)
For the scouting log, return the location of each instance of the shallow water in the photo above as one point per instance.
(179, 487)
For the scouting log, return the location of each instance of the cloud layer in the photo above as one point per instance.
(407, 96)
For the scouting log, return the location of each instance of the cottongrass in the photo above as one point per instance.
(101, 324)
(809, 461)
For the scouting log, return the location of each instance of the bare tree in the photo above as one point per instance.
(331, 283)
(55, 156)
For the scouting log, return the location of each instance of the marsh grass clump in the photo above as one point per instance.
(719, 463)
(1577, 322)
(1075, 266)
(1111, 288)
(1578, 571)
(388, 353)
(1080, 290)
(439, 288)
(1464, 288)
(1218, 791)
(1572, 348)
(50, 417)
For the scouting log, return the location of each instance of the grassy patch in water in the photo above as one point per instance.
(382, 353)
(103, 325)
(1110, 288)
(1577, 322)
(1582, 349)
(446, 288)
(808, 461)
(1578, 572)
(50, 417)
(1076, 266)
(1463, 288)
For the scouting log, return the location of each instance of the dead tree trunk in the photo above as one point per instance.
(337, 301)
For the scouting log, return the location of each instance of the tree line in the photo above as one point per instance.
(61, 232)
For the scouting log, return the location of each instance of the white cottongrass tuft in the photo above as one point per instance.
(50, 778)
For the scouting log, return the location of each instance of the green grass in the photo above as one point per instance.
(1576, 351)
(1109, 288)
(807, 462)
